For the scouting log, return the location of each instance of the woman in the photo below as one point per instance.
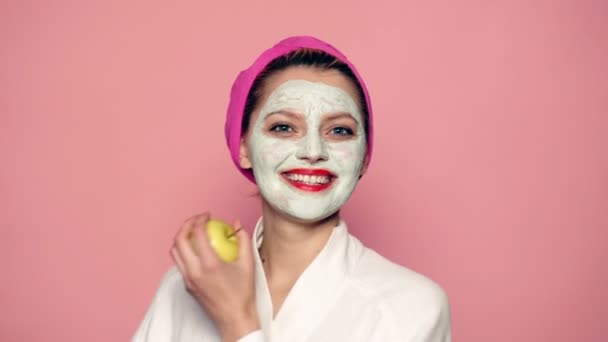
(299, 125)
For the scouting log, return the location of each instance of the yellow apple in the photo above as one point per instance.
(222, 240)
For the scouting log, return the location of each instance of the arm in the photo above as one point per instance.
(245, 329)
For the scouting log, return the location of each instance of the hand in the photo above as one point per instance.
(225, 290)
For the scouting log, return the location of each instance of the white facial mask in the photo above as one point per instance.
(271, 155)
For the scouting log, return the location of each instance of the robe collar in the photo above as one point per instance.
(314, 292)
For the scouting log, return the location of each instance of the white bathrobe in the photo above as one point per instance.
(348, 293)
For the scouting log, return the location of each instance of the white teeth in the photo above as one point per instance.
(308, 179)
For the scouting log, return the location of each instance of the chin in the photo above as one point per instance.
(300, 216)
(313, 219)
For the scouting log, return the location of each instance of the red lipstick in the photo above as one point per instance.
(313, 180)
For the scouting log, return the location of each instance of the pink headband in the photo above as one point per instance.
(245, 79)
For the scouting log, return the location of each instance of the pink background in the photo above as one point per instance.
(489, 174)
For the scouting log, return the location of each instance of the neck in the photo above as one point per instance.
(289, 245)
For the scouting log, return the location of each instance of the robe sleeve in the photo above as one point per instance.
(156, 327)
(424, 319)
(256, 336)
(433, 325)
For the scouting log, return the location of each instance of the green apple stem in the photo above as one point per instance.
(233, 233)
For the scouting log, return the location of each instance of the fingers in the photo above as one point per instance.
(207, 254)
(190, 223)
(178, 260)
(190, 261)
(185, 256)
(236, 225)
(182, 268)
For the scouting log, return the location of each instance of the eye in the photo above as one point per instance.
(281, 128)
(342, 131)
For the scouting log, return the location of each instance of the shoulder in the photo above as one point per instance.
(172, 290)
(409, 302)
(377, 276)
(170, 295)
(173, 314)
(170, 285)
(171, 279)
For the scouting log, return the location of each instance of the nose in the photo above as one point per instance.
(312, 148)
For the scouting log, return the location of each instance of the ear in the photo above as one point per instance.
(244, 160)
(364, 167)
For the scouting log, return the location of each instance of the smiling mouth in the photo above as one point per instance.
(313, 180)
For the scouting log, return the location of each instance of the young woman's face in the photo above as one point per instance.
(306, 142)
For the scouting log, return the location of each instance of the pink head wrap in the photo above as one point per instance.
(245, 79)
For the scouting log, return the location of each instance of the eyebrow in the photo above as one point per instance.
(284, 112)
(334, 116)
(330, 116)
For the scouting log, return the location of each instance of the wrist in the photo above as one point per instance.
(240, 326)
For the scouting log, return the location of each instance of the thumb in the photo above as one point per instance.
(245, 253)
